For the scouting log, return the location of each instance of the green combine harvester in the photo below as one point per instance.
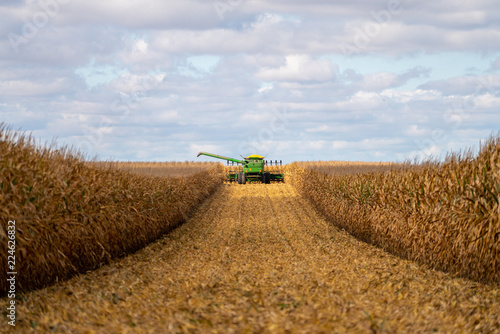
(251, 169)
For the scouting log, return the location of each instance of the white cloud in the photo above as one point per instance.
(33, 88)
(496, 64)
(321, 128)
(340, 144)
(266, 20)
(378, 81)
(487, 101)
(316, 145)
(415, 130)
(299, 68)
(466, 85)
(155, 79)
(141, 46)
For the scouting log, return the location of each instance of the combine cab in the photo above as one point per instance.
(251, 169)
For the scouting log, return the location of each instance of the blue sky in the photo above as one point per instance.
(318, 80)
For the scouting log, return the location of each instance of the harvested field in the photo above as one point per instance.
(343, 168)
(259, 258)
(163, 169)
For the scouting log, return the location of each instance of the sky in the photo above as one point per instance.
(150, 80)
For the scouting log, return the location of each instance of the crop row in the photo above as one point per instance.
(444, 214)
(73, 216)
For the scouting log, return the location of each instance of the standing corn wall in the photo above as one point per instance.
(72, 216)
(445, 214)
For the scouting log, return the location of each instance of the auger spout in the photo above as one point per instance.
(221, 157)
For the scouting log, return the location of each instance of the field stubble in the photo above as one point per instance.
(161, 169)
(259, 258)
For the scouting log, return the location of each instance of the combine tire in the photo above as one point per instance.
(267, 178)
(242, 178)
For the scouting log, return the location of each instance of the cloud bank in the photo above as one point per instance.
(154, 80)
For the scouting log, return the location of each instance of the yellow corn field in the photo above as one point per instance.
(443, 214)
(259, 258)
(256, 258)
(77, 216)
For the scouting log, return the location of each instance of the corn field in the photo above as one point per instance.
(443, 214)
(260, 258)
(76, 216)
(155, 247)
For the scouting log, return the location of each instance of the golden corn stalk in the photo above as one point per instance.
(446, 214)
(74, 216)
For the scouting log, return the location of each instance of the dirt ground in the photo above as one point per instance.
(259, 258)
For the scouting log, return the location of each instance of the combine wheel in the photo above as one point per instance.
(267, 178)
(242, 178)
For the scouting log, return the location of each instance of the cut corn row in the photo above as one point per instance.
(443, 214)
(72, 216)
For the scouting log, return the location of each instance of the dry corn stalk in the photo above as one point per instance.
(443, 214)
(73, 216)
